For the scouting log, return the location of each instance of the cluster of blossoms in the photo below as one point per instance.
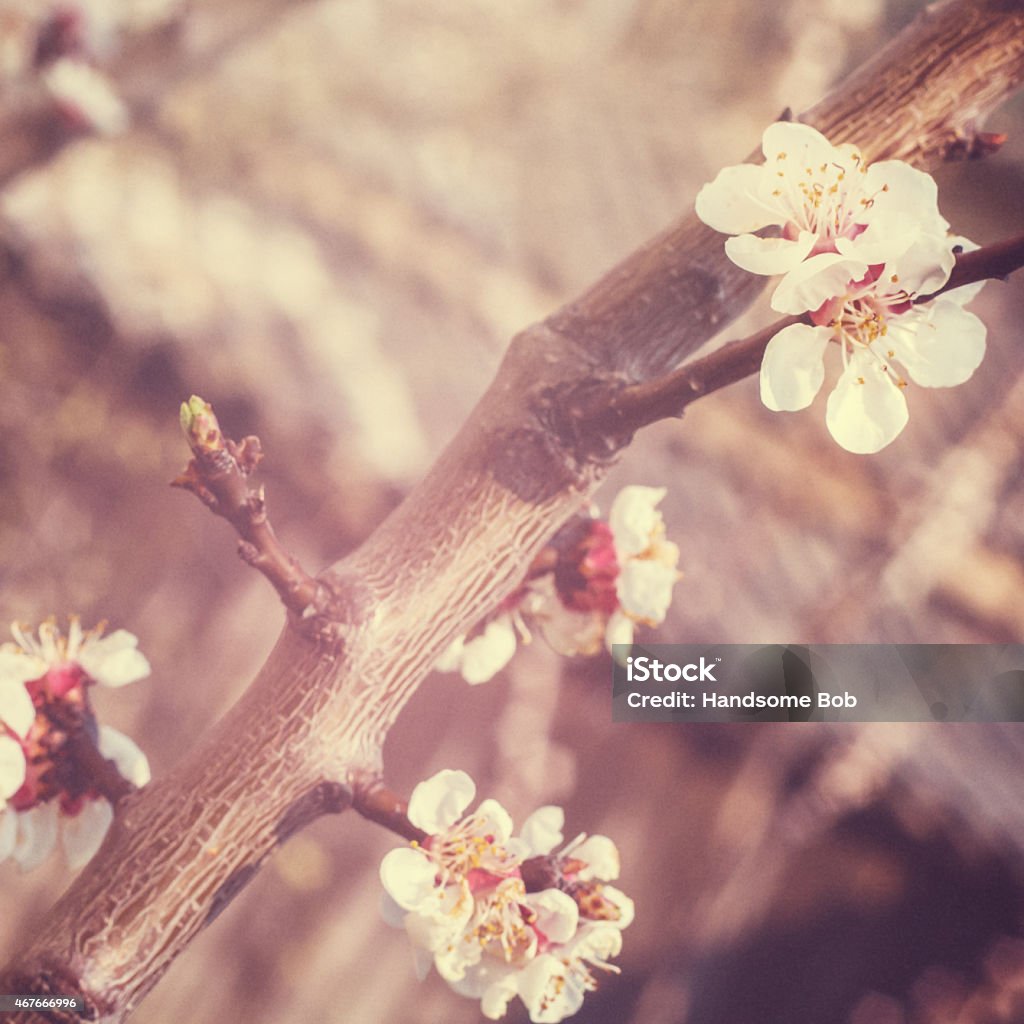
(590, 586)
(501, 916)
(861, 247)
(45, 714)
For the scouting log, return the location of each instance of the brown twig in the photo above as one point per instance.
(375, 802)
(218, 475)
(665, 397)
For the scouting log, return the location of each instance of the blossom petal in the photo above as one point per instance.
(440, 800)
(408, 877)
(131, 762)
(18, 666)
(601, 856)
(542, 830)
(114, 660)
(867, 410)
(793, 367)
(769, 255)
(557, 914)
(16, 710)
(37, 836)
(487, 654)
(798, 144)
(945, 349)
(620, 630)
(645, 588)
(635, 519)
(12, 768)
(734, 203)
(82, 834)
(622, 903)
(496, 820)
(810, 285)
(548, 989)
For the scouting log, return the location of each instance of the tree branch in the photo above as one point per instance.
(319, 709)
(643, 404)
(218, 475)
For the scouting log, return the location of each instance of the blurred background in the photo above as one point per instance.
(327, 218)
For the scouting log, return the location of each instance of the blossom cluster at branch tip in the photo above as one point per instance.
(589, 588)
(498, 915)
(44, 707)
(860, 247)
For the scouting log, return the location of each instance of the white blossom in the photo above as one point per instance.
(885, 337)
(823, 198)
(462, 898)
(39, 674)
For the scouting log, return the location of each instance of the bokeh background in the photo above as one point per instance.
(329, 224)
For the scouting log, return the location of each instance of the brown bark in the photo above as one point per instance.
(312, 723)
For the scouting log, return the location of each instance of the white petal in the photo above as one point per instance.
(645, 588)
(965, 292)
(900, 193)
(114, 660)
(130, 760)
(435, 928)
(945, 349)
(601, 856)
(487, 654)
(8, 832)
(83, 833)
(867, 410)
(440, 801)
(496, 820)
(619, 630)
(392, 914)
(498, 995)
(634, 518)
(769, 255)
(815, 281)
(17, 666)
(16, 710)
(549, 990)
(12, 768)
(625, 906)
(557, 914)
(408, 877)
(923, 268)
(452, 657)
(735, 202)
(37, 836)
(801, 144)
(793, 367)
(542, 830)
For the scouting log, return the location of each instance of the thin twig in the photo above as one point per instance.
(375, 802)
(218, 475)
(665, 397)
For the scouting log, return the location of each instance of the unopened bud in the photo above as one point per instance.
(200, 425)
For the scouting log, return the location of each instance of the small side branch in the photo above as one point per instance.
(218, 475)
(665, 397)
(375, 802)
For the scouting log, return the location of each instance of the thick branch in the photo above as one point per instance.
(317, 713)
